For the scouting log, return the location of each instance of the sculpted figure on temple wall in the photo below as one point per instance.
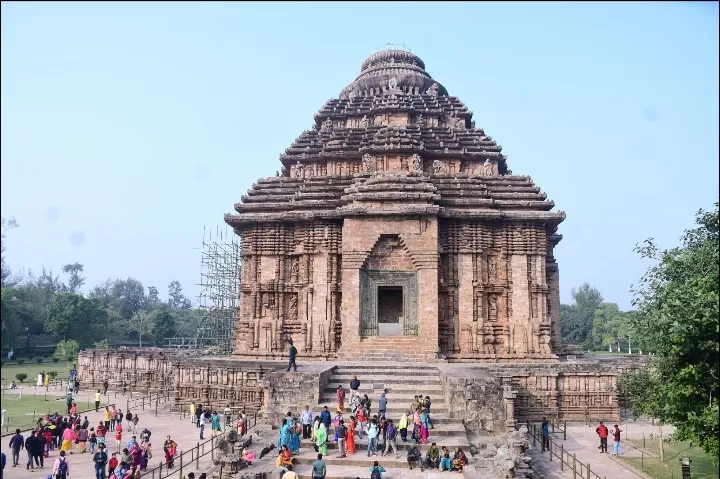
(392, 83)
(297, 170)
(367, 162)
(327, 124)
(420, 120)
(487, 169)
(492, 301)
(417, 162)
(492, 269)
(365, 122)
(437, 167)
(433, 90)
(293, 307)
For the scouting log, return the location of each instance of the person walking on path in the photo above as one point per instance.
(318, 468)
(602, 432)
(97, 400)
(306, 419)
(372, 433)
(29, 443)
(100, 460)
(61, 469)
(544, 428)
(17, 442)
(340, 433)
(390, 439)
(292, 352)
(616, 440)
(382, 405)
(193, 408)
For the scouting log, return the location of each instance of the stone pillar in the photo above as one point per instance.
(466, 303)
(509, 402)
(553, 281)
(520, 293)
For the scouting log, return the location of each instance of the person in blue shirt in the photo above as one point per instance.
(376, 471)
(545, 434)
(3, 459)
(325, 417)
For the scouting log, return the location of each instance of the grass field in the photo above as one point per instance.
(8, 372)
(701, 467)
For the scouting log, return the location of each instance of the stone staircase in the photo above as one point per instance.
(384, 350)
(401, 383)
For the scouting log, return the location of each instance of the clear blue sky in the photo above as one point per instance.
(127, 127)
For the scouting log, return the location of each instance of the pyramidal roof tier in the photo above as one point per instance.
(394, 120)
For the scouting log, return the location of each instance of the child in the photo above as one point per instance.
(248, 456)
(92, 440)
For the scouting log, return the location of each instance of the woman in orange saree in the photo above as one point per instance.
(350, 437)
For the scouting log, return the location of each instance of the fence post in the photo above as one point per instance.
(550, 447)
(574, 466)
(643, 439)
(562, 457)
(181, 457)
(534, 431)
(197, 457)
(156, 404)
(642, 460)
(160, 472)
(565, 430)
(212, 454)
(588, 470)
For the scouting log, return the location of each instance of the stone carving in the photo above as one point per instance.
(492, 305)
(365, 122)
(417, 163)
(420, 120)
(433, 90)
(297, 170)
(366, 163)
(327, 124)
(293, 307)
(392, 83)
(492, 269)
(437, 167)
(487, 168)
(295, 269)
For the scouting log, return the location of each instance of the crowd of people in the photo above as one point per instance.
(355, 421)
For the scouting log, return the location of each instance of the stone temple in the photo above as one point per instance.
(396, 228)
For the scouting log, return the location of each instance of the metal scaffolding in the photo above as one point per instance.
(218, 301)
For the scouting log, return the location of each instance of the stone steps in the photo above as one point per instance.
(393, 386)
(359, 459)
(447, 441)
(353, 472)
(398, 399)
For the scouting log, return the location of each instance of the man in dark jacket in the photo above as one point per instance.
(354, 384)
(38, 449)
(29, 449)
(17, 442)
(325, 417)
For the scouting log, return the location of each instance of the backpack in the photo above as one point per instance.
(375, 474)
(62, 468)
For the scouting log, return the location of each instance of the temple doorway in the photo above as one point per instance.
(390, 310)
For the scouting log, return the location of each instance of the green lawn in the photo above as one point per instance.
(32, 369)
(701, 467)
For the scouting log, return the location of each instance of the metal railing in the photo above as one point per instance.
(579, 470)
(185, 460)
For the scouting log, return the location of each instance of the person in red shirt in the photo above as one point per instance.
(118, 435)
(602, 432)
(101, 432)
(616, 438)
(112, 464)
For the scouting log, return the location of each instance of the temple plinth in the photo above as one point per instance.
(395, 227)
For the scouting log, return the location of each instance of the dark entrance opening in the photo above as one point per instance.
(389, 310)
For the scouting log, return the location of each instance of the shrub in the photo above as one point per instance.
(20, 361)
(21, 377)
(56, 360)
(53, 374)
(39, 360)
(30, 356)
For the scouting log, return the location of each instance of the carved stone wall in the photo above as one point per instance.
(135, 369)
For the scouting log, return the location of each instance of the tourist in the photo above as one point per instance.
(340, 396)
(390, 439)
(372, 431)
(416, 431)
(414, 455)
(318, 468)
(284, 458)
(382, 404)
(113, 418)
(126, 457)
(376, 471)
(402, 426)
(118, 436)
(227, 412)
(316, 425)
(545, 430)
(106, 417)
(119, 417)
(350, 436)
(354, 385)
(361, 415)
(337, 420)
(170, 448)
(82, 439)
(289, 473)
(198, 414)
(68, 438)
(135, 421)
(248, 456)
(602, 432)
(340, 438)
(445, 460)
(240, 425)
(215, 421)
(136, 452)
(325, 417)
(459, 460)
(283, 435)
(366, 403)
(105, 387)
(3, 460)
(201, 422)
(424, 427)
(616, 440)
(132, 442)
(426, 408)
(193, 408)
(295, 430)
(321, 439)
(306, 419)
(85, 424)
(101, 432)
(128, 418)
(97, 400)
(92, 440)
(432, 459)
(61, 469)
(13, 385)
(292, 353)
(17, 442)
(29, 442)
(113, 463)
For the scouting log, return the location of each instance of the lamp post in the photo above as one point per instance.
(685, 465)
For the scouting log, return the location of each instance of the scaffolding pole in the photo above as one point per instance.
(218, 301)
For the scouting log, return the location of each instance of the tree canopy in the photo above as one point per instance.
(678, 320)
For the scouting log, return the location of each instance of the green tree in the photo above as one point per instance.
(127, 296)
(75, 278)
(67, 350)
(142, 323)
(70, 316)
(21, 377)
(611, 328)
(6, 278)
(176, 298)
(677, 300)
(14, 315)
(102, 344)
(576, 320)
(163, 326)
